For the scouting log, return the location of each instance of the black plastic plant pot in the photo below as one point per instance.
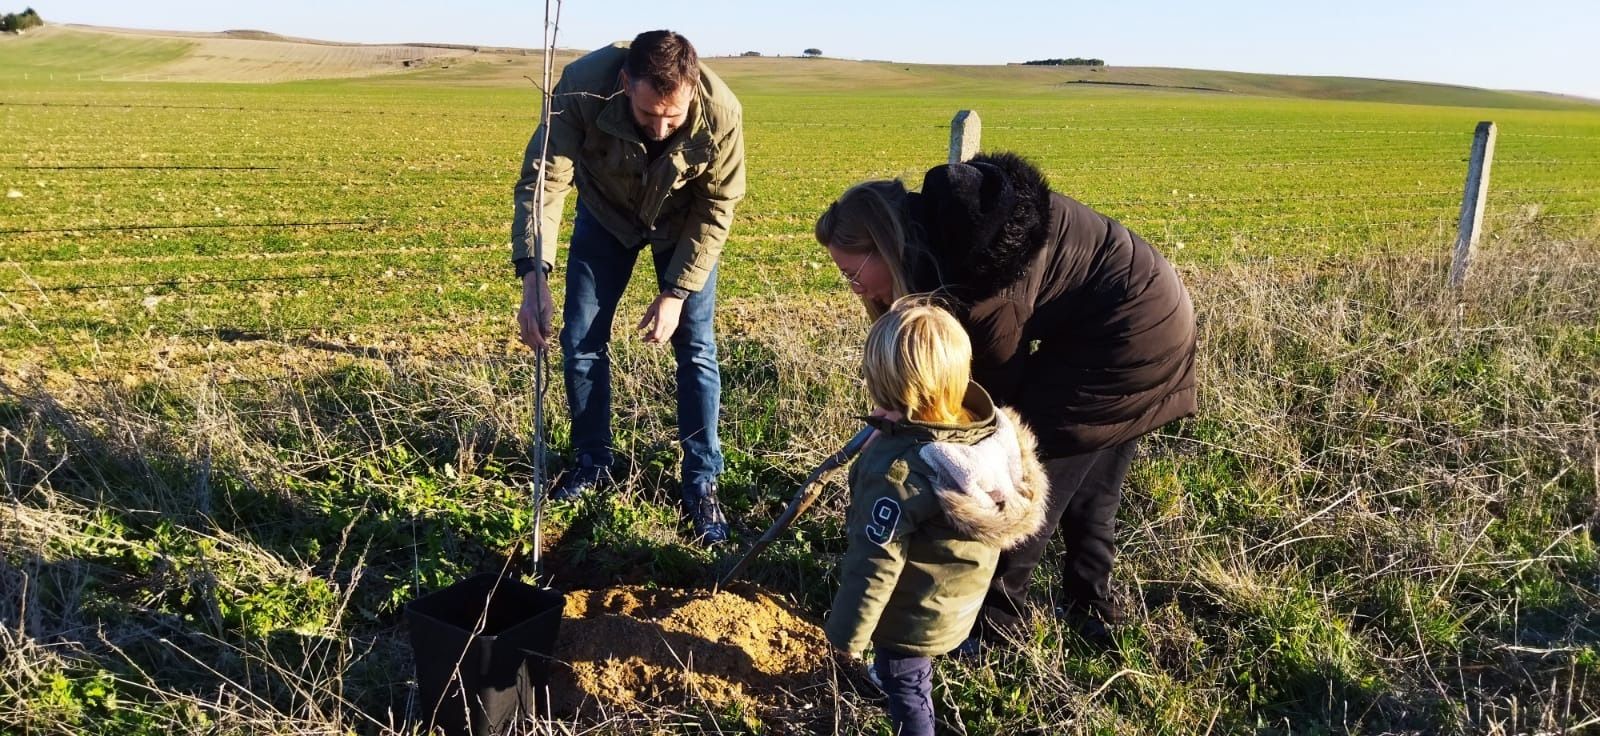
(488, 682)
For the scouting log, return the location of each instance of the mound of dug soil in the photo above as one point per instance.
(632, 649)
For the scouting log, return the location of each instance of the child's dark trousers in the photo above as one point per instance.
(908, 683)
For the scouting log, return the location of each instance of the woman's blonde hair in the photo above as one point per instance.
(918, 361)
(867, 219)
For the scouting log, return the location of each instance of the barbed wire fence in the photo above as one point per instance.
(1184, 223)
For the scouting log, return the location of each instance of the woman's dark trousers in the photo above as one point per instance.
(1085, 492)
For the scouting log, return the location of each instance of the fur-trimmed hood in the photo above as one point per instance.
(982, 222)
(932, 506)
(1076, 322)
(985, 473)
(993, 491)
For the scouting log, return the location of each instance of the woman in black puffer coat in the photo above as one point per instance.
(1076, 322)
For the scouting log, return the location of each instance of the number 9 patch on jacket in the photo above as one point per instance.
(885, 516)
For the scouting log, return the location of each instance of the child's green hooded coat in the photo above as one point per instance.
(931, 507)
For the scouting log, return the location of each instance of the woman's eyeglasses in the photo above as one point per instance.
(854, 278)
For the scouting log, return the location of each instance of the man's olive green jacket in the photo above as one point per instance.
(681, 202)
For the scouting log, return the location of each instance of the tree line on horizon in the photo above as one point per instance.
(13, 22)
(1074, 61)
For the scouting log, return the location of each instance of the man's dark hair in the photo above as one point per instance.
(664, 59)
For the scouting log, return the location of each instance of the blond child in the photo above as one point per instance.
(948, 482)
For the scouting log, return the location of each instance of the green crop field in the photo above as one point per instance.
(258, 384)
(399, 186)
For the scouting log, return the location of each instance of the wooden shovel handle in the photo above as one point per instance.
(808, 493)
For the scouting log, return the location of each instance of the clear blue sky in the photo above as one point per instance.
(1551, 45)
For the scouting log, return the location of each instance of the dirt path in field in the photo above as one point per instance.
(251, 60)
(253, 56)
(632, 649)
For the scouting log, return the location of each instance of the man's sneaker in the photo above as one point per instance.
(582, 479)
(700, 506)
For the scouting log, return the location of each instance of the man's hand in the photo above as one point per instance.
(533, 319)
(661, 319)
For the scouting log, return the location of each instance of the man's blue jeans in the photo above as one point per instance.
(598, 269)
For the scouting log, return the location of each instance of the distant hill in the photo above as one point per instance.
(229, 56)
(772, 73)
(260, 56)
(1316, 87)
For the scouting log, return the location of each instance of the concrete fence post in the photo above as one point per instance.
(1472, 202)
(965, 130)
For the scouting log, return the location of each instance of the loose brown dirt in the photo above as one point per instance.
(631, 649)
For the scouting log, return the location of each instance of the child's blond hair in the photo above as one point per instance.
(918, 361)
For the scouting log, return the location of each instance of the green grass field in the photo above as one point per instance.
(171, 182)
(397, 182)
(257, 381)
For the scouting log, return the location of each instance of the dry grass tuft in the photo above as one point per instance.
(1384, 520)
